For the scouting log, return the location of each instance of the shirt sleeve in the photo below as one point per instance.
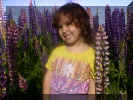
(50, 60)
(92, 63)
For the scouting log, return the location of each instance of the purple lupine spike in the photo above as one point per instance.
(3, 80)
(43, 58)
(9, 17)
(26, 39)
(43, 23)
(54, 37)
(118, 27)
(37, 46)
(39, 22)
(22, 21)
(32, 19)
(115, 32)
(122, 24)
(96, 21)
(108, 21)
(11, 49)
(48, 21)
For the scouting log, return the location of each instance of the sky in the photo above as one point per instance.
(61, 2)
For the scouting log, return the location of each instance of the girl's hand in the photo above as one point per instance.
(46, 82)
(92, 90)
(22, 82)
(46, 85)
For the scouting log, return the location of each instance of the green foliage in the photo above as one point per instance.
(29, 63)
(118, 75)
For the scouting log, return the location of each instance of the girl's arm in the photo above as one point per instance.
(92, 91)
(46, 82)
(92, 87)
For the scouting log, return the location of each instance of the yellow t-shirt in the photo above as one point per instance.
(72, 64)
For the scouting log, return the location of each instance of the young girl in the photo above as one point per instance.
(70, 67)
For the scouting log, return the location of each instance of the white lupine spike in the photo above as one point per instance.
(106, 47)
(107, 53)
(98, 48)
(98, 92)
(98, 62)
(98, 38)
(104, 33)
(97, 67)
(106, 79)
(106, 42)
(106, 58)
(107, 62)
(103, 53)
(105, 37)
(97, 57)
(105, 74)
(106, 69)
(98, 78)
(100, 29)
(107, 84)
(99, 86)
(99, 81)
(98, 52)
(97, 34)
(102, 46)
(98, 73)
(98, 42)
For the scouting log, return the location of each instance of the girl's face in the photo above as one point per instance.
(68, 31)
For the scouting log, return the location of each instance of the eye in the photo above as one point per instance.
(60, 26)
(68, 23)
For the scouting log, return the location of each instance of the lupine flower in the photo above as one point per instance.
(3, 79)
(54, 37)
(107, 53)
(106, 42)
(98, 47)
(102, 61)
(98, 52)
(108, 21)
(106, 48)
(32, 19)
(9, 17)
(3, 82)
(97, 42)
(22, 21)
(11, 50)
(105, 37)
(98, 38)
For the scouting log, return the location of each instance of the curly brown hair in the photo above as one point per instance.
(77, 15)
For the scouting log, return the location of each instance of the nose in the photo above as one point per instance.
(64, 28)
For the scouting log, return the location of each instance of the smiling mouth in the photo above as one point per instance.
(67, 37)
